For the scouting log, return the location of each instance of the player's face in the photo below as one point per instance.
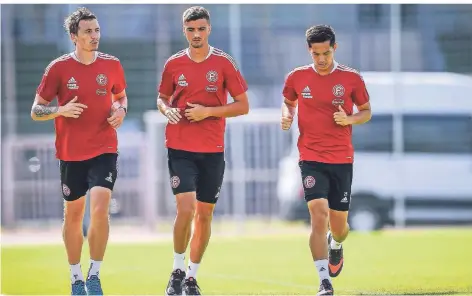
(197, 32)
(88, 35)
(322, 54)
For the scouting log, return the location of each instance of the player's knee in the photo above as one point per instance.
(100, 212)
(100, 203)
(204, 217)
(71, 218)
(204, 212)
(319, 214)
(319, 223)
(74, 211)
(186, 205)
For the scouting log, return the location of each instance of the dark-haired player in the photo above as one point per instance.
(193, 96)
(325, 93)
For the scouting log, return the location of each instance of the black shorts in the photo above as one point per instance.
(328, 180)
(196, 172)
(77, 177)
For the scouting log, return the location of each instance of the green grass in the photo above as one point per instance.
(417, 262)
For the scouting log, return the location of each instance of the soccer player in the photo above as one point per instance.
(193, 96)
(325, 93)
(90, 89)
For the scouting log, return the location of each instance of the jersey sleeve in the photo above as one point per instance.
(120, 83)
(49, 85)
(167, 86)
(361, 95)
(234, 80)
(289, 91)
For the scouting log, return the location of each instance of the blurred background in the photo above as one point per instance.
(413, 160)
(412, 189)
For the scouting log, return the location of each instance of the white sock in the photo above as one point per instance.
(179, 261)
(94, 268)
(76, 273)
(192, 269)
(335, 245)
(322, 267)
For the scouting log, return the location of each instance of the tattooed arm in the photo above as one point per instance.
(41, 110)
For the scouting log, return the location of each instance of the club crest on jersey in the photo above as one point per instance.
(182, 81)
(102, 79)
(306, 93)
(338, 90)
(72, 83)
(212, 76)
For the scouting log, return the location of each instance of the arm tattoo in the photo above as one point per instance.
(43, 110)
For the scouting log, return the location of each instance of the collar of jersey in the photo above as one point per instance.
(187, 51)
(72, 55)
(334, 68)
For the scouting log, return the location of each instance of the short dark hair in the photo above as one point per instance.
(320, 34)
(71, 23)
(195, 13)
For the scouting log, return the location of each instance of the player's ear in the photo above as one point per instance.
(184, 30)
(335, 46)
(309, 50)
(73, 38)
(308, 47)
(209, 29)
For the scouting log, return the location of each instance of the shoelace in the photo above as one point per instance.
(176, 280)
(177, 277)
(325, 285)
(94, 283)
(336, 255)
(192, 286)
(78, 287)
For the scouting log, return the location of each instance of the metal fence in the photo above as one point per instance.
(267, 41)
(31, 191)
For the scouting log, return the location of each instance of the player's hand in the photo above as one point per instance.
(286, 122)
(341, 117)
(72, 109)
(173, 115)
(196, 112)
(116, 119)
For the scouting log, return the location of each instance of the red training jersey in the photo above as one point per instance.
(89, 135)
(321, 139)
(206, 83)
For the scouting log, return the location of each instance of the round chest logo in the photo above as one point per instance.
(212, 76)
(102, 79)
(338, 90)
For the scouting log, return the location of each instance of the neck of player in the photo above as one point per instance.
(199, 54)
(85, 57)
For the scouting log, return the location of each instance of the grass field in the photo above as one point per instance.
(419, 262)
